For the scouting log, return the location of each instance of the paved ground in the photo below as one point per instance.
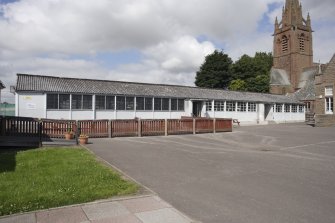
(275, 173)
(145, 209)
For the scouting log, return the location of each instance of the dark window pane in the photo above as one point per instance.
(158, 104)
(64, 101)
(52, 101)
(181, 105)
(76, 101)
(139, 104)
(148, 104)
(174, 104)
(129, 103)
(165, 104)
(87, 101)
(120, 103)
(110, 102)
(100, 102)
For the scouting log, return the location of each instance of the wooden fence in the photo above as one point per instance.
(46, 128)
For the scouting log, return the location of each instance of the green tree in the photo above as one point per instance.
(238, 85)
(255, 71)
(215, 72)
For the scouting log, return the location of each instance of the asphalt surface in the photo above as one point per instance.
(260, 174)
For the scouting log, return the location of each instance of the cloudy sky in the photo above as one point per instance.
(156, 41)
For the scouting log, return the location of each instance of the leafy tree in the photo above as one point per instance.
(260, 84)
(215, 72)
(238, 85)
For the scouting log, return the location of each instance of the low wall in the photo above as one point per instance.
(324, 120)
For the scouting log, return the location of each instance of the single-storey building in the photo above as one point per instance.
(81, 99)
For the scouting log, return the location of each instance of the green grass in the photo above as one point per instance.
(45, 178)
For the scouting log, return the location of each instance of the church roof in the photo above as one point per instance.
(307, 92)
(279, 77)
(49, 84)
(308, 74)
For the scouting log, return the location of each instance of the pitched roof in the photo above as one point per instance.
(279, 77)
(2, 86)
(35, 83)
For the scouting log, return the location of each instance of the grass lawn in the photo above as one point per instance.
(52, 177)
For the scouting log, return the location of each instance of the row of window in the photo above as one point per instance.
(278, 108)
(102, 102)
(231, 106)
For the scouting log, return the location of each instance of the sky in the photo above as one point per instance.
(153, 41)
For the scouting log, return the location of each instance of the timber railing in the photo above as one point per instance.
(47, 128)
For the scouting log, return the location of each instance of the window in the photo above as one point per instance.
(287, 108)
(241, 106)
(231, 106)
(301, 108)
(218, 105)
(279, 108)
(110, 102)
(252, 107)
(329, 91)
(52, 101)
(139, 104)
(158, 104)
(87, 102)
(76, 101)
(208, 106)
(181, 104)
(148, 104)
(100, 102)
(284, 44)
(294, 108)
(165, 104)
(329, 105)
(120, 103)
(174, 104)
(130, 103)
(302, 43)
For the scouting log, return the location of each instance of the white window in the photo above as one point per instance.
(58, 101)
(329, 105)
(294, 108)
(301, 108)
(208, 106)
(231, 106)
(219, 106)
(252, 107)
(279, 108)
(241, 106)
(287, 108)
(328, 91)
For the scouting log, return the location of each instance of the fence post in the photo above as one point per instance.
(214, 125)
(40, 129)
(194, 126)
(78, 131)
(3, 126)
(139, 127)
(109, 128)
(166, 127)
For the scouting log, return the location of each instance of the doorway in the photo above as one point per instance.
(197, 107)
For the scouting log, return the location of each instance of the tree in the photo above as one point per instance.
(255, 71)
(238, 85)
(215, 72)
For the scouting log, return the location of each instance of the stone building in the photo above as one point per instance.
(292, 50)
(294, 73)
(324, 91)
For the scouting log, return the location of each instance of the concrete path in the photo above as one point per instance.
(257, 174)
(144, 209)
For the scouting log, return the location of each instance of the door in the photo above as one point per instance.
(197, 107)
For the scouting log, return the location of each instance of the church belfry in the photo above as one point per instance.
(292, 48)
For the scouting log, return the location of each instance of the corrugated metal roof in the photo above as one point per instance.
(36, 83)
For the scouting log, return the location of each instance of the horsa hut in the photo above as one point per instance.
(84, 99)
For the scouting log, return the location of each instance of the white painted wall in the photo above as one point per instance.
(30, 105)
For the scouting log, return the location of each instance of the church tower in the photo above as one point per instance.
(292, 48)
